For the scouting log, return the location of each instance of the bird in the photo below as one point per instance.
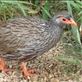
(24, 38)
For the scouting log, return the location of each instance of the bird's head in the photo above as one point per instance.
(61, 20)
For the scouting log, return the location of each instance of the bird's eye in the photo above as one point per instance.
(64, 19)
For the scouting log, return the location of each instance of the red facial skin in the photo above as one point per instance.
(69, 21)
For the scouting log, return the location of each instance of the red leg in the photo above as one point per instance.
(26, 72)
(3, 66)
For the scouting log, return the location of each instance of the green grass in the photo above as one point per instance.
(11, 8)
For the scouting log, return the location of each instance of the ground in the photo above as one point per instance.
(49, 68)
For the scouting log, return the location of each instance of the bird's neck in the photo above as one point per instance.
(55, 27)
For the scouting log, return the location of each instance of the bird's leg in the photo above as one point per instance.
(26, 72)
(3, 66)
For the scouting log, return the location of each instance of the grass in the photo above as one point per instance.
(10, 8)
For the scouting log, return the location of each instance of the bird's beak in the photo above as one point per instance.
(72, 22)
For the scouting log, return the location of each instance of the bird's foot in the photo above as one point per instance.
(3, 67)
(27, 73)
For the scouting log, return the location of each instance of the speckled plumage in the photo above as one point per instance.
(26, 38)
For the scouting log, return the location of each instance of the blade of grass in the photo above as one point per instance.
(75, 5)
(45, 10)
(16, 1)
(22, 9)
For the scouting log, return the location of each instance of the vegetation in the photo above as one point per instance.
(46, 9)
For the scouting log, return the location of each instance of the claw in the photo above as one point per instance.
(3, 66)
(26, 72)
